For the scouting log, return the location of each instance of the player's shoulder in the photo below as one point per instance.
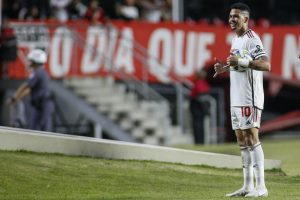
(250, 34)
(252, 38)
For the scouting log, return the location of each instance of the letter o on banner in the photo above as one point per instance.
(61, 51)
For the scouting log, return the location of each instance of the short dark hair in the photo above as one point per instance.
(241, 6)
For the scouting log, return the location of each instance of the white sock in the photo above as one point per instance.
(247, 168)
(258, 158)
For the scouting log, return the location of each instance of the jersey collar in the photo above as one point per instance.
(247, 31)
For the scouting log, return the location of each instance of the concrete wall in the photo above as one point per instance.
(20, 139)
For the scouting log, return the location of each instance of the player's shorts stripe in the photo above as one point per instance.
(254, 114)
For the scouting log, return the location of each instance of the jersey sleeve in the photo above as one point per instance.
(256, 48)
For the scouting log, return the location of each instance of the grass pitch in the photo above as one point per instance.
(32, 176)
(286, 150)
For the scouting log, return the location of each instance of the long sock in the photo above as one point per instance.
(258, 158)
(247, 168)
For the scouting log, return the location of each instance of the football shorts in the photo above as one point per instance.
(245, 117)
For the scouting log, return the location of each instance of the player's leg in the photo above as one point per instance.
(257, 156)
(247, 167)
(245, 155)
(247, 161)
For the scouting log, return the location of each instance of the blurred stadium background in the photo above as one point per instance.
(123, 69)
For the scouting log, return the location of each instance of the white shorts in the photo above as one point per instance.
(245, 117)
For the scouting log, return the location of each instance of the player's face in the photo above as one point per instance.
(236, 20)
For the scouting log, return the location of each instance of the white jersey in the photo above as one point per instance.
(246, 85)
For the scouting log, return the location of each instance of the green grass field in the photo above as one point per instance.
(32, 176)
(285, 150)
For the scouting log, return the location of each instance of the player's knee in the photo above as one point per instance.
(241, 140)
(249, 141)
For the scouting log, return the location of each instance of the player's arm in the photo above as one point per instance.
(260, 60)
(261, 64)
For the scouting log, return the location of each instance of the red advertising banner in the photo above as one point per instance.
(156, 52)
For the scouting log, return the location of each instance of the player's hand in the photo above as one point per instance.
(219, 67)
(232, 61)
(11, 101)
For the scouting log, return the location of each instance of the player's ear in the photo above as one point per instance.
(246, 19)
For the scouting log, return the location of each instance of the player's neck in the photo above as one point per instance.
(242, 31)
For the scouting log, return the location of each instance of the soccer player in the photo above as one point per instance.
(246, 63)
